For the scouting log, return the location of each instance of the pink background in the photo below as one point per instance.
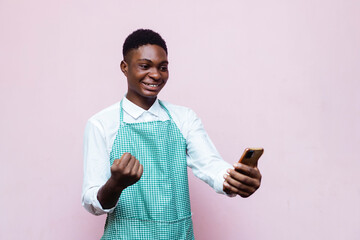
(283, 75)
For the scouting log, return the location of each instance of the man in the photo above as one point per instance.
(136, 154)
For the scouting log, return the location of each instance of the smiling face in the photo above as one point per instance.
(146, 70)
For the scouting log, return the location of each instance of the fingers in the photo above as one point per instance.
(245, 184)
(242, 180)
(238, 178)
(140, 171)
(126, 171)
(131, 164)
(137, 169)
(128, 165)
(124, 160)
(252, 172)
(229, 189)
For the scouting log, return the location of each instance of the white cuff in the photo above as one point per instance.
(219, 183)
(92, 204)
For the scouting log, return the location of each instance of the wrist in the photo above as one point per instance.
(114, 186)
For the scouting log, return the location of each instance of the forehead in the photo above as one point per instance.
(150, 52)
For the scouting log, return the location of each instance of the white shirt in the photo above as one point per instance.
(100, 132)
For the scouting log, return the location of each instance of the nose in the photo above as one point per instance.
(154, 74)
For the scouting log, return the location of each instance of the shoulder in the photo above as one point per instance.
(108, 117)
(180, 113)
(184, 117)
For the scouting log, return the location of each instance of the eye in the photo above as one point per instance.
(163, 68)
(144, 66)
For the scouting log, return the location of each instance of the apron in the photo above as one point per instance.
(158, 205)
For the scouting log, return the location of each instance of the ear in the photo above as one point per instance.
(124, 67)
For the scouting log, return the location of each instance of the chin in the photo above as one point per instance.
(150, 94)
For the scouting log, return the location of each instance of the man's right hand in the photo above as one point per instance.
(125, 171)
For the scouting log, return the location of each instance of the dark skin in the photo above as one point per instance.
(243, 180)
(146, 70)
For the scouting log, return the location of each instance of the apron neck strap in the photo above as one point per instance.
(166, 110)
(121, 112)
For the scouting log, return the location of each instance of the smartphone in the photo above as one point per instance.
(251, 156)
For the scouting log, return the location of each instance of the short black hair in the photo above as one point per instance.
(142, 37)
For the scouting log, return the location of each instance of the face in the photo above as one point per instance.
(146, 69)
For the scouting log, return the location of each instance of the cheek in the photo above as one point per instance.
(137, 76)
(165, 76)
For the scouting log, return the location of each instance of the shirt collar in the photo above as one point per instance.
(135, 111)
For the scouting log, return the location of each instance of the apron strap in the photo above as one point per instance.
(166, 110)
(121, 113)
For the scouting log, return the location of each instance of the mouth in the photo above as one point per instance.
(152, 86)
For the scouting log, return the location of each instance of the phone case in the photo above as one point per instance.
(251, 156)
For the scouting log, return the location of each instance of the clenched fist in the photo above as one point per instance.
(126, 171)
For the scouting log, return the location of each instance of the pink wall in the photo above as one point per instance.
(283, 75)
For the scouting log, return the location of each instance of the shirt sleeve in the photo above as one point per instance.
(96, 167)
(203, 158)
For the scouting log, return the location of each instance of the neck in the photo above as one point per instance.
(144, 103)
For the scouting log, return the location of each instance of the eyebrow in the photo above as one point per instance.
(148, 60)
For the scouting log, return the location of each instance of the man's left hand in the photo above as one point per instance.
(243, 180)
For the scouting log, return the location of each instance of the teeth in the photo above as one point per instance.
(152, 85)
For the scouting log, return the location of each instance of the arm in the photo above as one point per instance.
(98, 174)
(203, 158)
(207, 164)
(96, 166)
(124, 172)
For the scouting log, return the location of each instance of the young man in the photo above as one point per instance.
(136, 154)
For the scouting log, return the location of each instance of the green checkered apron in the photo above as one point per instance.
(158, 205)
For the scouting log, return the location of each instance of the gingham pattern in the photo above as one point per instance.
(158, 205)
